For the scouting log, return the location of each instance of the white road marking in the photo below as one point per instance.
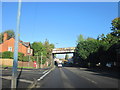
(44, 75)
(44, 72)
(89, 80)
(22, 80)
(27, 81)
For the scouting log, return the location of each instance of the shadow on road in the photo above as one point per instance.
(101, 71)
(19, 76)
(108, 72)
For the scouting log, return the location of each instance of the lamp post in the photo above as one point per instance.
(15, 62)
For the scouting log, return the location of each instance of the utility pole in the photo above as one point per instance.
(15, 62)
(41, 60)
(1, 41)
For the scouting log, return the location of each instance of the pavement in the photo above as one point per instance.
(26, 77)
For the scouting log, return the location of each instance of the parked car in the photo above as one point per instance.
(59, 65)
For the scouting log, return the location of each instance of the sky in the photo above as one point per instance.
(59, 22)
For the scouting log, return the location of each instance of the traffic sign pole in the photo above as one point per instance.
(15, 62)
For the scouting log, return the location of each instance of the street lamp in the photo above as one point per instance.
(15, 62)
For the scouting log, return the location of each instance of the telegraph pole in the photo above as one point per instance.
(15, 62)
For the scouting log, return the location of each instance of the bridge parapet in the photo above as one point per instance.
(64, 50)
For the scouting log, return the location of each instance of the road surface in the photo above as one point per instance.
(70, 77)
(65, 77)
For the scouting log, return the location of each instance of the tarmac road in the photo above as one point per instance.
(65, 77)
(70, 77)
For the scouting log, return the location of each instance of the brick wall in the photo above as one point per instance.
(25, 64)
(9, 62)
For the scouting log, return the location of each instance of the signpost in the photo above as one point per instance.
(15, 62)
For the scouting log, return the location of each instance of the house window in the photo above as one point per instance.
(28, 50)
(10, 49)
(31, 51)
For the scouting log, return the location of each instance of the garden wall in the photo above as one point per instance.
(9, 62)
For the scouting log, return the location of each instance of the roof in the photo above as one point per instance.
(25, 43)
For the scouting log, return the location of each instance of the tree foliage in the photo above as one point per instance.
(116, 27)
(10, 35)
(42, 49)
(80, 38)
(101, 50)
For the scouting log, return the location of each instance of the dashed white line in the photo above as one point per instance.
(89, 80)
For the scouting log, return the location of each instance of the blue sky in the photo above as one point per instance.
(59, 22)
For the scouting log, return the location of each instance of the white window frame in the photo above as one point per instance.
(28, 50)
(10, 49)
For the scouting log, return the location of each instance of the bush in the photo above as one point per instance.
(7, 54)
(20, 56)
(25, 58)
(10, 55)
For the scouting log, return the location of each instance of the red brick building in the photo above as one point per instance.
(8, 45)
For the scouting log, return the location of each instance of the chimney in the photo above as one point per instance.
(5, 37)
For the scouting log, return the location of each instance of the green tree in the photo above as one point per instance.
(116, 27)
(10, 35)
(38, 48)
(86, 51)
(42, 49)
(80, 38)
(102, 50)
(48, 48)
(66, 57)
